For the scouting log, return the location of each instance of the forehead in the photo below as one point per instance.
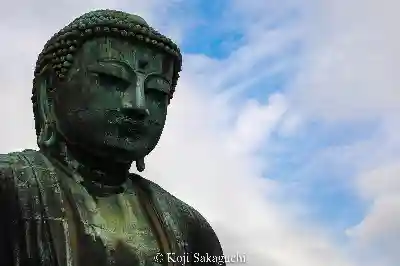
(127, 51)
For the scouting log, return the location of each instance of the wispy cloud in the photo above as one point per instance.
(249, 156)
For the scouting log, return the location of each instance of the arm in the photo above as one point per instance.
(5, 244)
(6, 247)
(207, 250)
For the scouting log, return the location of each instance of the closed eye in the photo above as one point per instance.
(156, 90)
(112, 82)
(157, 95)
(158, 83)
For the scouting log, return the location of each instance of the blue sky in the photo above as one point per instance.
(307, 163)
(208, 35)
(283, 131)
(330, 201)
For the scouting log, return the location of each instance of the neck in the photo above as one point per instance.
(91, 168)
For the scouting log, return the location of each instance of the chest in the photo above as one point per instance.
(61, 225)
(112, 230)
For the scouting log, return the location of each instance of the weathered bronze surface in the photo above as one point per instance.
(101, 91)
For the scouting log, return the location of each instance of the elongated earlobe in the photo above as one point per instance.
(140, 165)
(47, 135)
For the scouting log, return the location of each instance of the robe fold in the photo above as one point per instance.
(34, 230)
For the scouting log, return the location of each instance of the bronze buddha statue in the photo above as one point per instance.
(101, 90)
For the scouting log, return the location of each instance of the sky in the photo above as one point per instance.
(282, 131)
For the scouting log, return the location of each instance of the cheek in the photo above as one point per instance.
(76, 112)
(72, 94)
(156, 124)
(158, 112)
(80, 95)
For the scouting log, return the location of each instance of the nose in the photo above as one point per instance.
(134, 100)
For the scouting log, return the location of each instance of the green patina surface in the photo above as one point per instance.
(101, 92)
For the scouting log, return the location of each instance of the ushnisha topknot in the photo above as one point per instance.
(58, 53)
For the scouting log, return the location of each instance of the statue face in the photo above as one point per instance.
(115, 97)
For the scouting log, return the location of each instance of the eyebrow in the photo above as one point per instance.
(124, 63)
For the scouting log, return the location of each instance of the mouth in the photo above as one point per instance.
(130, 127)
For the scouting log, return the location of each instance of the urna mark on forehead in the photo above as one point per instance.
(135, 54)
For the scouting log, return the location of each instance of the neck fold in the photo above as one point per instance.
(93, 169)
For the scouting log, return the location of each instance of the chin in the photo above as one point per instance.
(126, 149)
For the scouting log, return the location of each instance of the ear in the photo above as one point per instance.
(44, 86)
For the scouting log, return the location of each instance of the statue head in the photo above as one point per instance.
(104, 83)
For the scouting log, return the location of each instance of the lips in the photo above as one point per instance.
(129, 126)
(127, 120)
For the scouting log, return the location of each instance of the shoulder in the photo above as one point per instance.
(14, 167)
(199, 229)
(163, 195)
(9, 164)
(15, 159)
(12, 170)
(8, 160)
(6, 173)
(15, 200)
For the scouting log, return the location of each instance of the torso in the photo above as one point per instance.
(64, 230)
(109, 230)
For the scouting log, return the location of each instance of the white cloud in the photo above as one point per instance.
(380, 229)
(348, 73)
(255, 123)
(349, 68)
(341, 78)
(228, 187)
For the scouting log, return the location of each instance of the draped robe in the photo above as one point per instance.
(34, 227)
